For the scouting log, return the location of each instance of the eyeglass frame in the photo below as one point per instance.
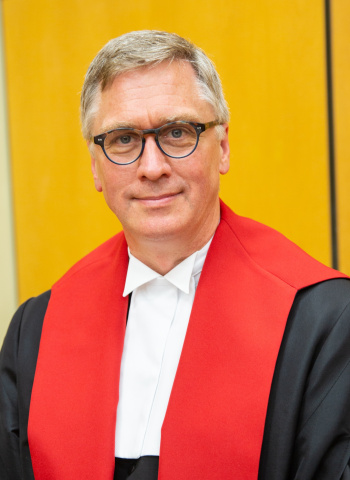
(199, 128)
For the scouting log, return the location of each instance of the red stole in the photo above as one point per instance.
(215, 418)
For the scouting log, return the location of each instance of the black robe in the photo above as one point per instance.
(307, 428)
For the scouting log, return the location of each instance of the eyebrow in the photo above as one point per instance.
(116, 125)
(162, 121)
(185, 117)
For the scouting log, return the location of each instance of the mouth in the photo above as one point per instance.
(157, 200)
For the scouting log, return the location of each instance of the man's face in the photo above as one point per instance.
(158, 197)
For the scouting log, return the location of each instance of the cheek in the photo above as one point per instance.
(109, 184)
(110, 176)
(116, 187)
(205, 176)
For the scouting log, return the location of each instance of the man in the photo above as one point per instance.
(194, 345)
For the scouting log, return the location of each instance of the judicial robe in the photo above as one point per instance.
(262, 388)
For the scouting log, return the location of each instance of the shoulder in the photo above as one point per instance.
(319, 321)
(21, 343)
(274, 253)
(20, 349)
(319, 308)
(31, 317)
(19, 352)
(28, 318)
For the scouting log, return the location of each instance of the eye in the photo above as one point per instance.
(124, 139)
(176, 132)
(118, 138)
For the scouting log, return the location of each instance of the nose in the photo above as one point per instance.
(153, 163)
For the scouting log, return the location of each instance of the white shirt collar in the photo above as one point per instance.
(180, 276)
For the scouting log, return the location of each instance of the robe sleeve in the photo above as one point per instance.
(18, 358)
(9, 422)
(323, 438)
(307, 431)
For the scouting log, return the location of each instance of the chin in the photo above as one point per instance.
(160, 230)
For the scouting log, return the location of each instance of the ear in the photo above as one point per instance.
(94, 169)
(224, 163)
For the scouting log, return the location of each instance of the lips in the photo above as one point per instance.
(157, 197)
(157, 200)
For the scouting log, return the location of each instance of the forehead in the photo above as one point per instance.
(150, 96)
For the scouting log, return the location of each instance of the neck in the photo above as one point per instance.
(162, 255)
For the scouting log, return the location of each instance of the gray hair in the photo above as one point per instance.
(146, 48)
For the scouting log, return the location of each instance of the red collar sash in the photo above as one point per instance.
(215, 418)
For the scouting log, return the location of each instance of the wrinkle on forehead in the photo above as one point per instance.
(147, 82)
(146, 98)
(141, 70)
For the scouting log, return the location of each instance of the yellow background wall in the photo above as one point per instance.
(341, 81)
(271, 58)
(8, 291)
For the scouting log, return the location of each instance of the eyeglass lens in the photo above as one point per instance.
(176, 140)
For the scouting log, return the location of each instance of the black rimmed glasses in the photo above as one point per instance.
(123, 146)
